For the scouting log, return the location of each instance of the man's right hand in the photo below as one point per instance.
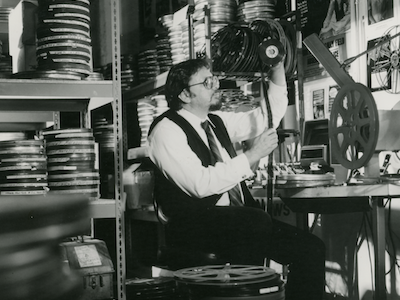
(261, 146)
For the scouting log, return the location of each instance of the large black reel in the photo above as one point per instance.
(353, 126)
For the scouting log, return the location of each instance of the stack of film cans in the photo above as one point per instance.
(23, 167)
(163, 48)
(103, 132)
(249, 11)
(175, 32)
(220, 10)
(63, 37)
(148, 66)
(71, 162)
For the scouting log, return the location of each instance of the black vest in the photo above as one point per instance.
(170, 197)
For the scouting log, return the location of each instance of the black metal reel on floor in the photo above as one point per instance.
(242, 282)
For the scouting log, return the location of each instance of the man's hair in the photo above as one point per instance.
(178, 80)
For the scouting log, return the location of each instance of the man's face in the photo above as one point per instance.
(203, 97)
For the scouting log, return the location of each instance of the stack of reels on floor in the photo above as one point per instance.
(71, 162)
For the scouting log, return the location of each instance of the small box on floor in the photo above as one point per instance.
(90, 259)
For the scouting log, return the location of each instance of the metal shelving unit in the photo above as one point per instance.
(118, 151)
(28, 104)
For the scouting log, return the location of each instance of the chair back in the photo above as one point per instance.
(162, 218)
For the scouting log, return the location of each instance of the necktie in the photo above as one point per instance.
(234, 193)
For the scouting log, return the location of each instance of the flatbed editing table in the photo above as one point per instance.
(375, 193)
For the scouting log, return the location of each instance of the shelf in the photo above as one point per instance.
(146, 89)
(51, 95)
(102, 208)
(24, 120)
(9, 3)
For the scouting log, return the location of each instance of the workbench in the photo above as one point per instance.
(372, 195)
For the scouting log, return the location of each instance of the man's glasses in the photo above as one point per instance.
(209, 83)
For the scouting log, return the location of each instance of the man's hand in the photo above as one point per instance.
(261, 146)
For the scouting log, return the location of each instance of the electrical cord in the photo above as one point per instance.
(368, 225)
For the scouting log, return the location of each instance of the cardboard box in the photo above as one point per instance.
(139, 187)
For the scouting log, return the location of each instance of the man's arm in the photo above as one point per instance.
(278, 75)
(169, 150)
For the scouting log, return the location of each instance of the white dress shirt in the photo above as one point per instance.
(170, 151)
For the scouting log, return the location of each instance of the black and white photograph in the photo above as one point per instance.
(199, 150)
(378, 65)
(379, 10)
(337, 19)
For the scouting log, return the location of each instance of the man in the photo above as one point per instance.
(195, 188)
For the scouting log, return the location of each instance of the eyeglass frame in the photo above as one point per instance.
(214, 80)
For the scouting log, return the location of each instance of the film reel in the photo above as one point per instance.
(224, 274)
(385, 60)
(271, 52)
(230, 282)
(353, 126)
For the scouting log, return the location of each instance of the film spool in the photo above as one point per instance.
(224, 274)
(230, 282)
(354, 126)
(304, 180)
(271, 52)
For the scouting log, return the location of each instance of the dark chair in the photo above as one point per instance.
(184, 256)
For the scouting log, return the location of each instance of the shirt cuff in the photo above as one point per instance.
(242, 167)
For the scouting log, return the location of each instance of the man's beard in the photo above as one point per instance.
(216, 106)
(217, 101)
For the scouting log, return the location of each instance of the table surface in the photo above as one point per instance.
(341, 191)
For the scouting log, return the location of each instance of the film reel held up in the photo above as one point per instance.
(271, 52)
